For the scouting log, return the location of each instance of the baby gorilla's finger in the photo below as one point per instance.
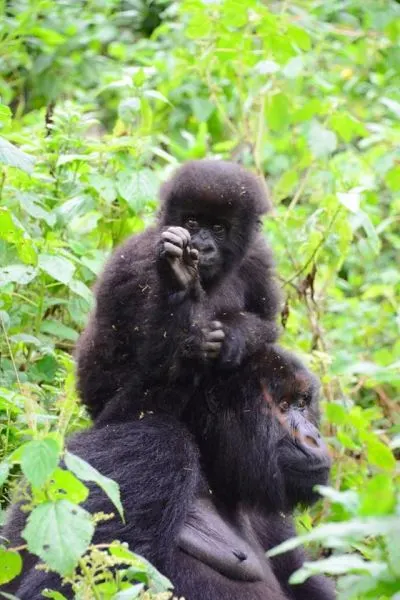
(217, 335)
(212, 348)
(181, 232)
(194, 254)
(169, 236)
(216, 325)
(172, 250)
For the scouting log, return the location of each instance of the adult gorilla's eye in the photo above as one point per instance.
(218, 228)
(301, 403)
(284, 406)
(192, 224)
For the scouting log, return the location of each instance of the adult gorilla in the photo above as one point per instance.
(196, 290)
(206, 496)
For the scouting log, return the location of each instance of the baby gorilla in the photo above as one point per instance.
(193, 295)
(206, 495)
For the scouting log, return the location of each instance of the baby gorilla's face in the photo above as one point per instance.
(207, 236)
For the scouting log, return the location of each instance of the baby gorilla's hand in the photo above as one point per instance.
(182, 259)
(213, 339)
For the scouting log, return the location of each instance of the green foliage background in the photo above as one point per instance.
(100, 101)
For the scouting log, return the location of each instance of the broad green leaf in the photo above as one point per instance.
(4, 471)
(32, 206)
(26, 338)
(157, 582)
(58, 267)
(157, 96)
(53, 595)
(104, 186)
(5, 114)
(337, 565)
(278, 112)
(380, 455)
(392, 105)
(129, 109)
(351, 200)
(39, 459)
(64, 485)
(138, 188)
(20, 274)
(130, 593)
(377, 496)
(59, 330)
(82, 290)
(59, 533)
(336, 535)
(12, 156)
(10, 229)
(10, 565)
(321, 140)
(348, 499)
(86, 472)
(202, 108)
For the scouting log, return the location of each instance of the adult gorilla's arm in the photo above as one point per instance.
(155, 463)
(271, 532)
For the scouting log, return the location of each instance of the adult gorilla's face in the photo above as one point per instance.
(302, 455)
(259, 438)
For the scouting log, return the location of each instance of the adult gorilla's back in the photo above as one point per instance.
(155, 462)
(234, 440)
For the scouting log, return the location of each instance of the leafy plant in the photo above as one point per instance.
(99, 101)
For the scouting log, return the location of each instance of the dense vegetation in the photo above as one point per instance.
(99, 101)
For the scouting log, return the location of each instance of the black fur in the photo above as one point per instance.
(246, 448)
(146, 331)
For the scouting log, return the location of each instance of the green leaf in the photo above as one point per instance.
(392, 105)
(138, 188)
(377, 496)
(12, 156)
(380, 455)
(5, 114)
(202, 108)
(86, 472)
(64, 485)
(53, 595)
(58, 267)
(337, 565)
(39, 459)
(336, 535)
(321, 140)
(10, 565)
(59, 330)
(299, 37)
(130, 593)
(4, 472)
(59, 533)
(104, 186)
(278, 112)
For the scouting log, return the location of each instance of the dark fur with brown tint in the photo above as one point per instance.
(145, 333)
(227, 440)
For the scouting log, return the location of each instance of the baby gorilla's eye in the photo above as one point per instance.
(284, 406)
(192, 224)
(218, 228)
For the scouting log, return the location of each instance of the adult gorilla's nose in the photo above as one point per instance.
(309, 437)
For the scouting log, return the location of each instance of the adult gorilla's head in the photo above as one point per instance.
(259, 435)
(219, 203)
